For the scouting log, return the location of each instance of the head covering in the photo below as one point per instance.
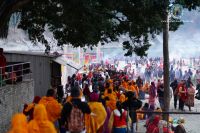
(156, 120)
(40, 123)
(40, 113)
(19, 124)
(94, 97)
(36, 99)
(75, 92)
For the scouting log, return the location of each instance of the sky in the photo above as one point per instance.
(184, 42)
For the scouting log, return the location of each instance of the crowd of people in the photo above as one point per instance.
(104, 100)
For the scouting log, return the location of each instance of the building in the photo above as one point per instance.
(46, 73)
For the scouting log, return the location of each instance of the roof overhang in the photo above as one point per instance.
(64, 61)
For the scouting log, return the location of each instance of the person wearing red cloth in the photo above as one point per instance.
(2, 66)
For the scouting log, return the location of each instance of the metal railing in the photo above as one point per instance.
(12, 74)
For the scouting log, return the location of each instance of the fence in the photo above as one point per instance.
(11, 74)
(191, 121)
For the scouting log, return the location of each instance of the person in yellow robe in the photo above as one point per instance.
(52, 106)
(136, 89)
(125, 84)
(122, 98)
(112, 99)
(96, 119)
(19, 124)
(28, 109)
(40, 122)
(132, 87)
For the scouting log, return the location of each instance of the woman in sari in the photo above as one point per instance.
(190, 97)
(96, 119)
(152, 94)
(118, 120)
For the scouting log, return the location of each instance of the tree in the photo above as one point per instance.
(86, 22)
(7, 7)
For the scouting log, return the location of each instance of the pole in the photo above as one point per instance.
(166, 58)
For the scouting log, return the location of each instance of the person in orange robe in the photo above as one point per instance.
(52, 106)
(125, 84)
(40, 122)
(132, 87)
(111, 103)
(122, 98)
(96, 119)
(28, 109)
(19, 124)
(108, 86)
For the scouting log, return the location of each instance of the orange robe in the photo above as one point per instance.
(97, 118)
(40, 122)
(111, 103)
(19, 124)
(122, 98)
(125, 85)
(134, 89)
(53, 108)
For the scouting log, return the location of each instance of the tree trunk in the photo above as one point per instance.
(166, 60)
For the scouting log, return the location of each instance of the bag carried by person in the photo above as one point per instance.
(76, 121)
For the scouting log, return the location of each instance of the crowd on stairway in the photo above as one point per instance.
(106, 100)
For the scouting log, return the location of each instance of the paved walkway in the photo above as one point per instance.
(192, 122)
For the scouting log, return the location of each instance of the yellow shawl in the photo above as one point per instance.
(97, 118)
(40, 122)
(19, 124)
(53, 108)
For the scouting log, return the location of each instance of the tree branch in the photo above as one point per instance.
(7, 7)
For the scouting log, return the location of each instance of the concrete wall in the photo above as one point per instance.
(12, 99)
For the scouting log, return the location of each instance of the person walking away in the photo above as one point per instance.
(73, 113)
(160, 92)
(177, 74)
(152, 126)
(118, 119)
(96, 119)
(172, 74)
(145, 109)
(182, 96)
(52, 106)
(139, 83)
(108, 112)
(152, 94)
(174, 86)
(29, 109)
(132, 104)
(190, 97)
(40, 122)
(19, 124)
(197, 76)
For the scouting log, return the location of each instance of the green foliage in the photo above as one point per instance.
(87, 22)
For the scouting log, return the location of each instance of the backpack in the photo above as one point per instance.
(76, 120)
